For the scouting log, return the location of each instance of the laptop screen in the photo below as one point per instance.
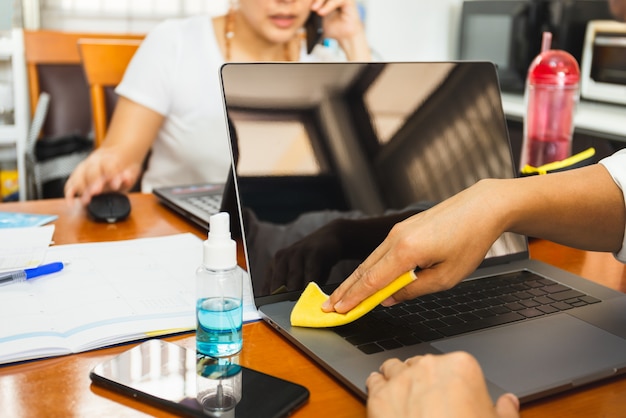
(329, 156)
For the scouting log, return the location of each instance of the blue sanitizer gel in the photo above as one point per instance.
(219, 326)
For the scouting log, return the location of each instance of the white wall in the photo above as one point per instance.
(6, 15)
(413, 30)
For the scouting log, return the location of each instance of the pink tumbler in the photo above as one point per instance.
(551, 97)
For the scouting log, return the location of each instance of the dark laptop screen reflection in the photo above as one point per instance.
(332, 156)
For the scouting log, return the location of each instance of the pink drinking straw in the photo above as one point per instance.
(546, 41)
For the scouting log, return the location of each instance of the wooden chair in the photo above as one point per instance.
(53, 64)
(104, 62)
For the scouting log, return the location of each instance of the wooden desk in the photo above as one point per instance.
(60, 387)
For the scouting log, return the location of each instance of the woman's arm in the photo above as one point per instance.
(116, 164)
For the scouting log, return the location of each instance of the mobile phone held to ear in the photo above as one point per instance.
(176, 379)
(314, 31)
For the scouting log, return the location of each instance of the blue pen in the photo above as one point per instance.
(23, 275)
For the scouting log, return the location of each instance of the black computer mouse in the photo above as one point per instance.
(109, 207)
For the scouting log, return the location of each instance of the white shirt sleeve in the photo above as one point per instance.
(148, 79)
(175, 72)
(616, 165)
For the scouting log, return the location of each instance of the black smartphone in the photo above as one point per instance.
(176, 379)
(314, 31)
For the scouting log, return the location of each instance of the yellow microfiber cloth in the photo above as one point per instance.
(308, 312)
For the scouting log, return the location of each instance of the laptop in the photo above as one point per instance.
(195, 202)
(388, 140)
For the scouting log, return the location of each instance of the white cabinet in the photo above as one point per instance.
(14, 133)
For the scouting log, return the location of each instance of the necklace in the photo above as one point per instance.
(229, 34)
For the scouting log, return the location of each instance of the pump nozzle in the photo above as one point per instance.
(219, 226)
(220, 251)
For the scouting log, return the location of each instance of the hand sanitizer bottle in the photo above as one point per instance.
(219, 307)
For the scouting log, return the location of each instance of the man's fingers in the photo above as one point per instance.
(507, 406)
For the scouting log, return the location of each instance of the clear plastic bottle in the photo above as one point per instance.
(218, 385)
(219, 305)
(552, 93)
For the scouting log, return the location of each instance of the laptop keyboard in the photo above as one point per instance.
(211, 204)
(470, 306)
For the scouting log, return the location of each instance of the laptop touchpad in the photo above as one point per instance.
(530, 357)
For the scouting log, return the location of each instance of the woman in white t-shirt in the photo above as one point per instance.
(170, 101)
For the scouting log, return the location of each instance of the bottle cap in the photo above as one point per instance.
(553, 66)
(220, 251)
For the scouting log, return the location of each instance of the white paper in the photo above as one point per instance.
(24, 247)
(109, 292)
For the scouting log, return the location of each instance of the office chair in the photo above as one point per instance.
(40, 170)
(104, 63)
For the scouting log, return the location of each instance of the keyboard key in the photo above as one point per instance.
(522, 295)
(534, 283)
(567, 294)
(452, 320)
(543, 300)
(461, 299)
(431, 306)
(414, 308)
(547, 309)
(556, 288)
(363, 338)
(370, 348)
(424, 333)
(531, 312)
(463, 308)
(412, 319)
(389, 344)
(398, 311)
(468, 317)
(536, 292)
(434, 324)
(561, 306)
(589, 299)
(529, 303)
(446, 311)
(408, 340)
(499, 310)
(508, 298)
(514, 306)
(478, 304)
(430, 315)
(484, 313)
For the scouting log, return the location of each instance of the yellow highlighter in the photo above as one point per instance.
(308, 312)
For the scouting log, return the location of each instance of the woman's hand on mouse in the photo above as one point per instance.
(117, 163)
(103, 171)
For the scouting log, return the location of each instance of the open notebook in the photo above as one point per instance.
(340, 151)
